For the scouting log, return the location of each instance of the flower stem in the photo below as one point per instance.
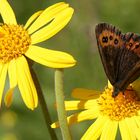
(59, 93)
(43, 105)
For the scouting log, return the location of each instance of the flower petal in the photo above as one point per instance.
(85, 94)
(137, 130)
(50, 58)
(136, 86)
(137, 120)
(132, 127)
(9, 97)
(32, 18)
(61, 19)
(13, 82)
(76, 105)
(109, 85)
(109, 130)
(78, 117)
(94, 131)
(25, 83)
(47, 15)
(3, 73)
(125, 130)
(12, 73)
(7, 13)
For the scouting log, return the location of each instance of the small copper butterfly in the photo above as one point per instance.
(120, 55)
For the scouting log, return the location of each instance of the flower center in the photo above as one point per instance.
(14, 42)
(126, 104)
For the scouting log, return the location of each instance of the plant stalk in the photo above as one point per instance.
(59, 93)
(43, 105)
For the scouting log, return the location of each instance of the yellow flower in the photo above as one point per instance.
(112, 114)
(18, 42)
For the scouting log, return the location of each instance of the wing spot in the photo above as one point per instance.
(105, 39)
(110, 37)
(130, 44)
(116, 41)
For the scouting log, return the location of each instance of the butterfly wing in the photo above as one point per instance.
(129, 68)
(109, 40)
(120, 55)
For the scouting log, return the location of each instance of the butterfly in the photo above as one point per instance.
(120, 55)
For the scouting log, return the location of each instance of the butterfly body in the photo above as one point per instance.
(120, 55)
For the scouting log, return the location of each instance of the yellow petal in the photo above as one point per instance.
(137, 120)
(3, 73)
(84, 115)
(53, 27)
(94, 131)
(137, 131)
(109, 130)
(7, 12)
(47, 15)
(32, 18)
(77, 105)
(125, 130)
(85, 94)
(12, 73)
(136, 86)
(109, 85)
(25, 83)
(9, 97)
(13, 82)
(132, 127)
(50, 58)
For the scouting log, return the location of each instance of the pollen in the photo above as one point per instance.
(14, 42)
(126, 104)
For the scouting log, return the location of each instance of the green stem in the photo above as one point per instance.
(43, 105)
(59, 93)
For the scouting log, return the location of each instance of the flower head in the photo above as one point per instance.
(111, 114)
(18, 42)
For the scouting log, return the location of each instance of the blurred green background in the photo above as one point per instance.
(78, 39)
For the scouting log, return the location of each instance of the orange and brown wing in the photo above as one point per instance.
(110, 42)
(129, 69)
(120, 55)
